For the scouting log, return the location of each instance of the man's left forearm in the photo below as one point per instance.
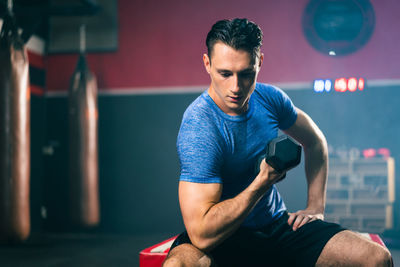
(307, 133)
(316, 167)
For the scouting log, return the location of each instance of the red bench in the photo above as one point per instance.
(155, 255)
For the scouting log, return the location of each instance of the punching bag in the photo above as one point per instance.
(14, 135)
(83, 147)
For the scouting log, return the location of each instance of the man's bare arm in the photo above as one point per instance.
(209, 221)
(306, 132)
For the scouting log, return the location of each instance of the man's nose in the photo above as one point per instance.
(235, 86)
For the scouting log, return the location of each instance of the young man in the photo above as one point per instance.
(234, 216)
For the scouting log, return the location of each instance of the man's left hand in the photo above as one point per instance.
(301, 217)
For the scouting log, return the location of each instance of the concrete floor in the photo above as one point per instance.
(64, 250)
(48, 250)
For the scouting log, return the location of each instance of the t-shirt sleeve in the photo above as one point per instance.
(199, 153)
(287, 114)
(280, 105)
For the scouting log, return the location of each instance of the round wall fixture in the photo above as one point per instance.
(338, 27)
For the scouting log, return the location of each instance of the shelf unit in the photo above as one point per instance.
(360, 193)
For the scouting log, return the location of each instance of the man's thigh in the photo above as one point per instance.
(351, 249)
(303, 246)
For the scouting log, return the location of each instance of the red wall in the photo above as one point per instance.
(161, 44)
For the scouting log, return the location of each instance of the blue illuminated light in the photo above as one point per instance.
(322, 85)
(319, 86)
(328, 85)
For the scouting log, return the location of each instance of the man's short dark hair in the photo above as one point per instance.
(237, 33)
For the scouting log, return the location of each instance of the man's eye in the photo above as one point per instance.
(225, 74)
(247, 74)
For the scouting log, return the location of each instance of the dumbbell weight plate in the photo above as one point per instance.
(282, 153)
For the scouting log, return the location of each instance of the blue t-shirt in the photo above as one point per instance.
(214, 147)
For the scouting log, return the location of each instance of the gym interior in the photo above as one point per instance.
(138, 65)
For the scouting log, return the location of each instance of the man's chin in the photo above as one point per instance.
(237, 110)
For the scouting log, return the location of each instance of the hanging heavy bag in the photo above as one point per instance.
(14, 135)
(83, 147)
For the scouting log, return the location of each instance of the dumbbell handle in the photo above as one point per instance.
(258, 163)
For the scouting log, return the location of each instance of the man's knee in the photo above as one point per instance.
(383, 257)
(187, 255)
(376, 255)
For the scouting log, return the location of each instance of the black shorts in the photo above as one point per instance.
(275, 245)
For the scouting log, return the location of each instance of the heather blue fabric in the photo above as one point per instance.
(214, 147)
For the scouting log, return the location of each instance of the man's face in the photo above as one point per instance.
(233, 77)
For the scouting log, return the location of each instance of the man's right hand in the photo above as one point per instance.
(268, 175)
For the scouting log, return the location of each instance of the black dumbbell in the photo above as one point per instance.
(281, 153)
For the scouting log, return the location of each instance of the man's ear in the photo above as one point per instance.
(261, 60)
(207, 62)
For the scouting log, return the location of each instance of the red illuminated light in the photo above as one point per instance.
(352, 84)
(361, 84)
(341, 84)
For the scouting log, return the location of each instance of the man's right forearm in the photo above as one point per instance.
(223, 218)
